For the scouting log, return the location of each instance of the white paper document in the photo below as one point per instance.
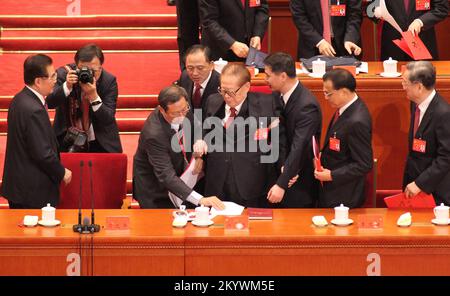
(189, 178)
(231, 209)
(363, 68)
(382, 12)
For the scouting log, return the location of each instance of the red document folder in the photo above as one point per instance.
(260, 214)
(420, 201)
(413, 46)
(316, 154)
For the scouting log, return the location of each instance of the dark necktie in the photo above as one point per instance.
(231, 117)
(197, 98)
(282, 101)
(335, 118)
(406, 2)
(416, 120)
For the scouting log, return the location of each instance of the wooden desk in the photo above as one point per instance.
(389, 108)
(288, 245)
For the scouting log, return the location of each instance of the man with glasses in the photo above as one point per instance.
(428, 163)
(85, 110)
(33, 171)
(235, 121)
(200, 80)
(347, 151)
(303, 119)
(163, 154)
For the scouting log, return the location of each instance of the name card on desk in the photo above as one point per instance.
(118, 223)
(236, 223)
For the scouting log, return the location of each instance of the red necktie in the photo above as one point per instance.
(416, 119)
(243, 3)
(326, 20)
(85, 116)
(406, 2)
(336, 117)
(197, 99)
(231, 117)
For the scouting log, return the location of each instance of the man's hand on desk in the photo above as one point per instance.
(412, 189)
(212, 201)
(240, 49)
(325, 48)
(352, 48)
(276, 194)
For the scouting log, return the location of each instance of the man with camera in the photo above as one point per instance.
(85, 101)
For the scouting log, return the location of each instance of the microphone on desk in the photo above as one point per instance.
(93, 227)
(78, 227)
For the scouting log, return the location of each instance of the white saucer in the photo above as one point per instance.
(390, 75)
(342, 223)
(49, 223)
(203, 224)
(313, 75)
(437, 222)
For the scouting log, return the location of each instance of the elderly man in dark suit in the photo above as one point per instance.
(303, 119)
(327, 27)
(33, 171)
(428, 163)
(347, 152)
(86, 108)
(200, 80)
(417, 19)
(229, 27)
(164, 152)
(237, 120)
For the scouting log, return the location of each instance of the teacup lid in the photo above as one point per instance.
(341, 207)
(442, 206)
(318, 61)
(221, 61)
(202, 208)
(390, 61)
(48, 208)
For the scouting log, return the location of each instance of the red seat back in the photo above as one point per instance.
(109, 176)
(370, 187)
(261, 88)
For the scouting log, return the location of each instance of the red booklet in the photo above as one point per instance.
(316, 154)
(413, 46)
(259, 214)
(420, 201)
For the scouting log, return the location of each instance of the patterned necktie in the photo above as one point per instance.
(416, 120)
(326, 20)
(197, 98)
(231, 117)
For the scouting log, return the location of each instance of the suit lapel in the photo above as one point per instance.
(296, 95)
(427, 117)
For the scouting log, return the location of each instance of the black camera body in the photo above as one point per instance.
(75, 140)
(85, 75)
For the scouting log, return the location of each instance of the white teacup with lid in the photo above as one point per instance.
(319, 67)
(219, 65)
(441, 213)
(48, 213)
(341, 213)
(390, 67)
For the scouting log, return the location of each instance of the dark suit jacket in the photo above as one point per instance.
(307, 15)
(211, 88)
(350, 165)
(302, 119)
(32, 171)
(226, 21)
(431, 170)
(156, 166)
(438, 12)
(251, 175)
(103, 120)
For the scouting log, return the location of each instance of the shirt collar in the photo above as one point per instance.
(424, 105)
(288, 94)
(41, 97)
(238, 107)
(343, 108)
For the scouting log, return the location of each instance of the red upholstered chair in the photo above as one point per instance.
(261, 88)
(3, 203)
(109, 175)
(370, 187)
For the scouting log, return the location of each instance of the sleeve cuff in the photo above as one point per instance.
(194, 198)
(66, 89)
(96, 104)
(420, 21)
(318, 44)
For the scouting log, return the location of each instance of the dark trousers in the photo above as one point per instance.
(231, 193)
(188, 27)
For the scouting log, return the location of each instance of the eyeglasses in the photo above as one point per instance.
(231, 93)
(192, 68)
(180, 113)
(52, 77)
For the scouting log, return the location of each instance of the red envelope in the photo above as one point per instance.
(413, 46)
(420, 201)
